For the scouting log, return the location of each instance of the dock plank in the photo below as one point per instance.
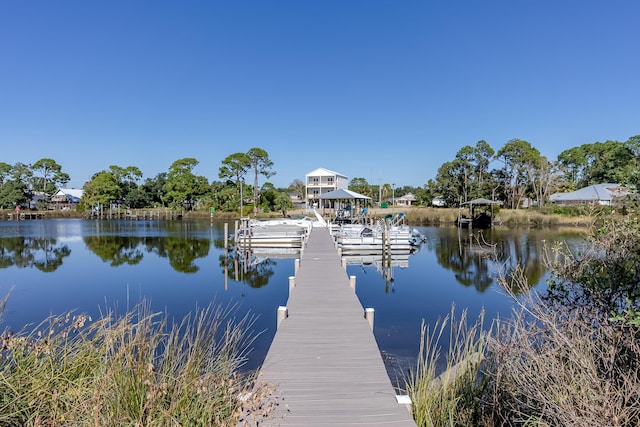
(324, 360)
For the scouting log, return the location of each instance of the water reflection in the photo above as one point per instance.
(119, 250)
(255, 266)
(475, 256)
(45, 254)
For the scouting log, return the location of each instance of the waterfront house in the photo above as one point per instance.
(66, 198)
(601, 194)
(322, 181)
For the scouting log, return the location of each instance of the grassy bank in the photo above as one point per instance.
(414, 215)
(132, 369)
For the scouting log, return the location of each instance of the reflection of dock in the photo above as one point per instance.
(324, 362)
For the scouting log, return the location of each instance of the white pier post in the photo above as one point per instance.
(282, 314)
(292, 283)
(296, 266)
(368, 314)
(352, 282)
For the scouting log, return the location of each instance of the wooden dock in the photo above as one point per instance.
(324, 361)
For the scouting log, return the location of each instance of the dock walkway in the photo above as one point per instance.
(324, 360)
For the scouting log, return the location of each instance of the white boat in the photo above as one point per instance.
(275, 233)
(389, 233)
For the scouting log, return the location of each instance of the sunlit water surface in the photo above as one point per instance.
(54, 266)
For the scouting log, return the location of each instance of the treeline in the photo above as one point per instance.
(518, 172)
(514, 173)
(179, 188)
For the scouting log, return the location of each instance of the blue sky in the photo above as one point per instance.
(383, 90)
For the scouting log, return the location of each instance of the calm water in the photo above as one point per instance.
(59, 265)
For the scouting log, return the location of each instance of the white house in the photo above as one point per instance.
(66, 198)
(321, 181)
(407, 200)
(602, 194)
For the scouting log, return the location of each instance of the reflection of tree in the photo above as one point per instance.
(181, 251)
(256, 273)
(45, 254)
(469, 253)
(116, 249)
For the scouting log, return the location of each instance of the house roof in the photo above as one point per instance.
(408, 196)
(596, 192)
(324, 172)
(341, 193)
(482, 201)
(74, 193)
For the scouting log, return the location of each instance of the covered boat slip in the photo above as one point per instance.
(324, 362)
(347, 206)
(481, 213)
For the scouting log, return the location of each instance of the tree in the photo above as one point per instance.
(101, 190)
(283, 202)
(116, 185)
(268, 194)
(5, 172)
(183, 188)
(234, 167)
(298, 188)
(14, 193)
(518, 157)
(601, 162)
(360, 185)
(50, 176)
(153, 189)
(261, 165)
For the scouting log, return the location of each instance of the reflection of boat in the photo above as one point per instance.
(258, 255)
(397, 260)
(389, 233)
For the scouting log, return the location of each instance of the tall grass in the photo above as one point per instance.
(448, 398)
(132, 369)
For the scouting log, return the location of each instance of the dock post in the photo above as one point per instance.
(368, 314)
(282, 314)
(226, 235)
(296, 266)
(352, 282)
(344, 263)
(292, 283)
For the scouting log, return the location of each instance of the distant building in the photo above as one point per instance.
(66, 198)
(601, 194)
(407, 200)
(38, 199)
(321, 181)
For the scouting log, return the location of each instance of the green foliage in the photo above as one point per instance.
(14, 193)
(282, 203)
(261, 165)
(183, 188)
(51, 176)
(360, 185)
(602, 162)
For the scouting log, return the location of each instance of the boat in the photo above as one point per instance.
(389, 233)
(276, 233)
